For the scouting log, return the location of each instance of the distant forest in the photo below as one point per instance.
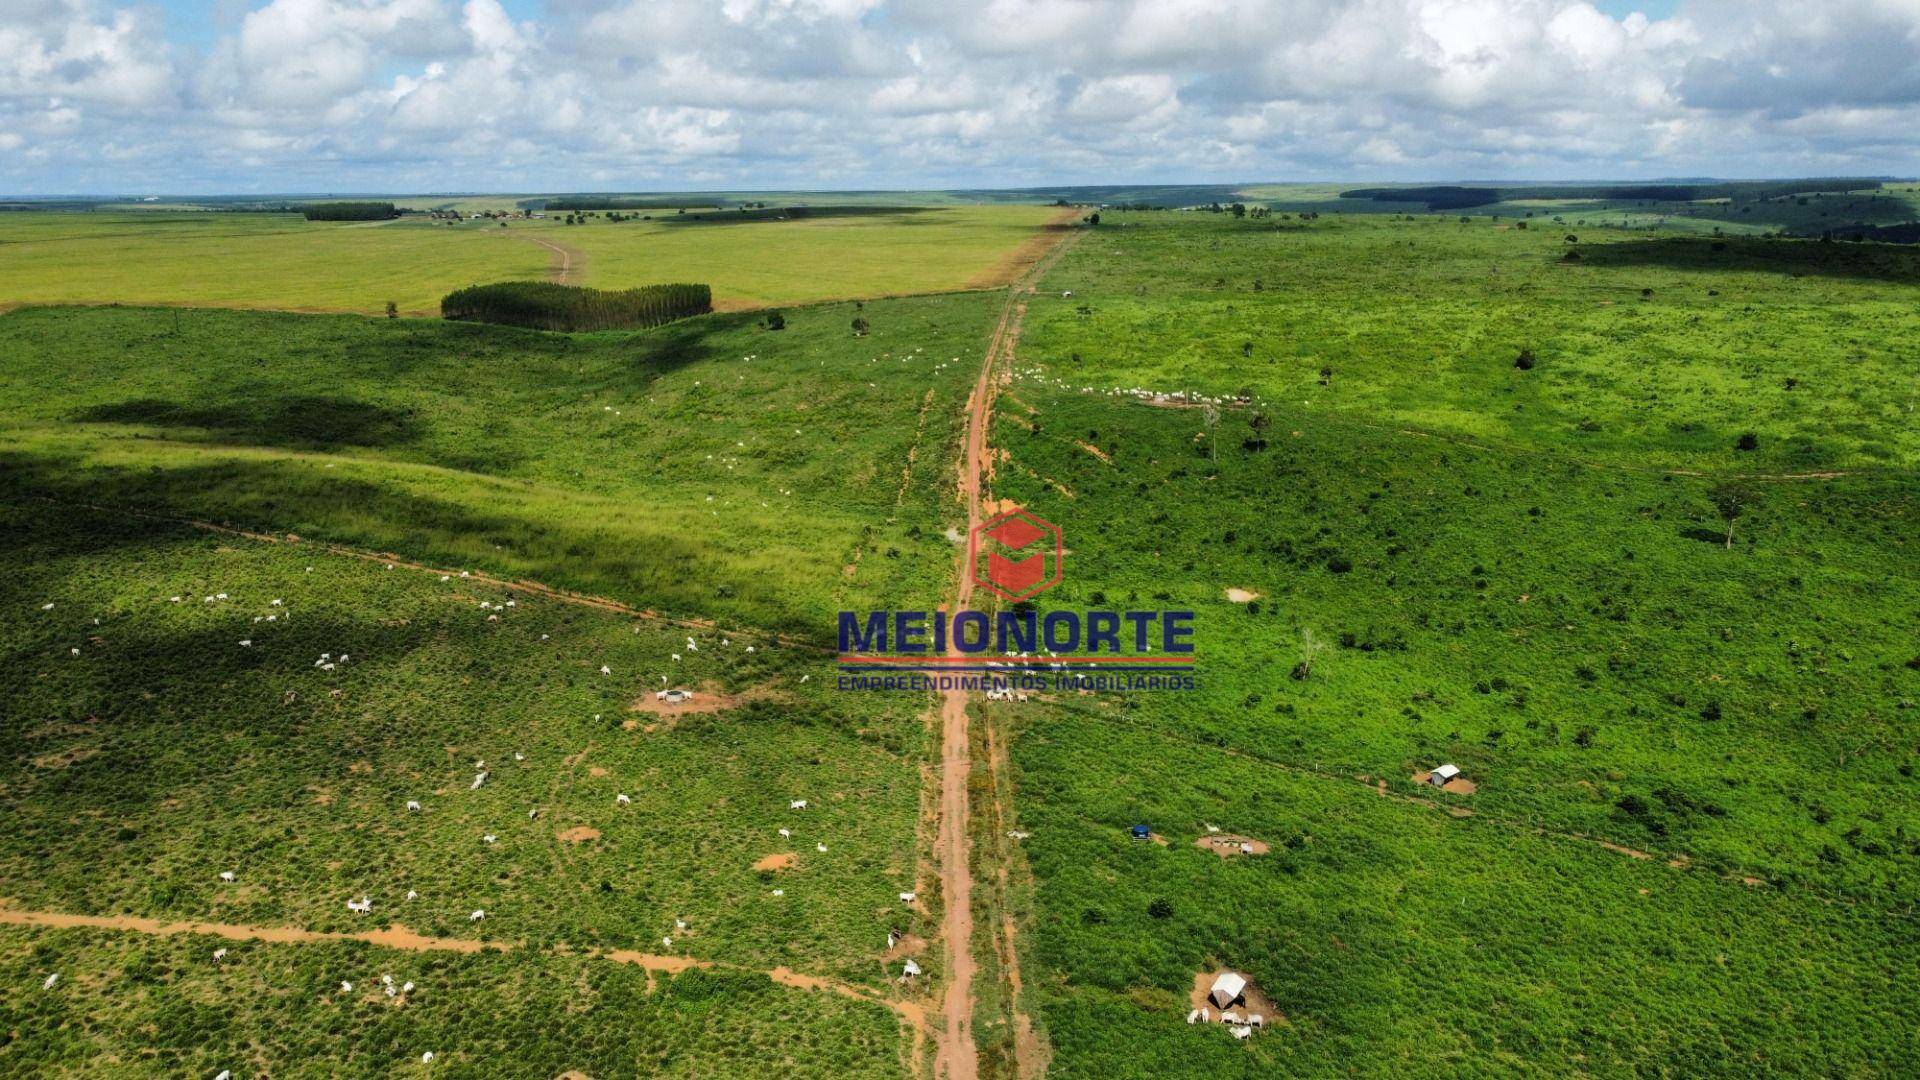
(350, 211)
(1459, 197)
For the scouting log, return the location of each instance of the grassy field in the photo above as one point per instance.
(281, 261)
(1647, 352)
(1622, 522)
(715, 469)
(165, 1007)
(828, 255)
(710, 468)
(1395, 939)
(1694, 848)
(167, 752)
(1802, 213)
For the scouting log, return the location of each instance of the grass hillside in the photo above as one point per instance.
(710, 468)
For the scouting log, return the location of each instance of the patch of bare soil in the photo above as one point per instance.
(1631, 853)
(780, 860)
(1459, 785)
(1242, 596)
(653, 961)
(707, 699)
(62, 759)
(1228, 846)
(579, 834)
(1157, 838)
(904, 946)
(1252, 999)
(1095, 451)
(596, 770)
(399, 937)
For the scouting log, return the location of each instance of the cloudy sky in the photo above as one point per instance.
(106, 96)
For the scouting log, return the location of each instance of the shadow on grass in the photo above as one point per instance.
(1798, 258)
(647, 566)
(299, 420)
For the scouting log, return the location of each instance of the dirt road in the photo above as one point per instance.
(956, 1057)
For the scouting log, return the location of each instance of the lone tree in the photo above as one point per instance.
(1730, 500)
(1310, 647)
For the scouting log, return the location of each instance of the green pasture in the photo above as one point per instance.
(249, 261)
(1694, 847)
(1616, 513)
(1397, 940)
(276, 720)
(264, 260)
(139, 1006)
(712, 467)
(1579, 640)
(826, 254)
(1646, 351)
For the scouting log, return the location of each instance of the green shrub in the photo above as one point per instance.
(544, 305)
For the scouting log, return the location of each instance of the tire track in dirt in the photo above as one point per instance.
(566, 261)
(400, 938)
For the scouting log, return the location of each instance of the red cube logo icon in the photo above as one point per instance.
(1015, 555)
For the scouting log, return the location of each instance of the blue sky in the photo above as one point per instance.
(1652, 9)
(106, 96)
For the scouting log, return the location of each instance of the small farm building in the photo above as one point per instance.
(1227, 989)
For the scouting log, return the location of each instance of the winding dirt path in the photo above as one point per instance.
(399, 937)
(566, 263)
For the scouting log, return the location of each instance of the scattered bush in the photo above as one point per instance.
(544, 305)
(1525, 360)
